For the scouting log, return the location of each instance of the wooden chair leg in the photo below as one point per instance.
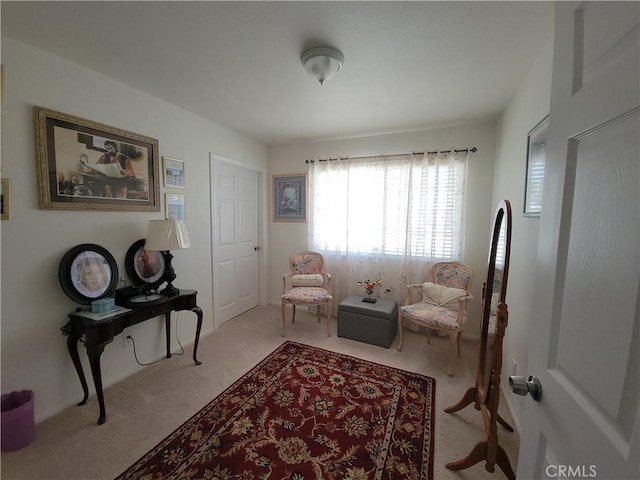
(319, 313)
(329, 319)
(400, 332)
(459, 350)
(293, 320)
(283, 319)
(428, 336)
(452, 346)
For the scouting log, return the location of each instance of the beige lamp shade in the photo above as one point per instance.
(164, 235)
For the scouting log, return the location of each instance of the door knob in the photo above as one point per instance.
(532, 386)
(256, 248)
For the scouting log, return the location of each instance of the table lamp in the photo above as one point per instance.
(164, 236)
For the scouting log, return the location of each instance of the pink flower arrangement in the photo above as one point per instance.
(370, 286)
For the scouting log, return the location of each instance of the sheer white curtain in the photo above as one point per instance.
(387, 217)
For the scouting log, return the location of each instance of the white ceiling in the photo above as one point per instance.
(408, 65)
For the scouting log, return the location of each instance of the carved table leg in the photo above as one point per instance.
(198, 312)
(72, 346)
(94, 354)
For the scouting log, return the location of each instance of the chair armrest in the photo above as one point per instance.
(413, 293)
(285, 276)
(462, 308)
(327, 281)
(467, 298)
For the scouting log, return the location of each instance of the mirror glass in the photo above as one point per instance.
(494, 293)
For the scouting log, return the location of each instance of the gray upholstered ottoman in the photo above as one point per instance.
(374, 323)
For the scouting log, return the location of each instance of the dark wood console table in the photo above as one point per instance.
(98, 333)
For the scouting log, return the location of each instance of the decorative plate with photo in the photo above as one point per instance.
(144, 267)
(88, 272)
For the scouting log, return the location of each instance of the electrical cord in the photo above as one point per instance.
(135, 353)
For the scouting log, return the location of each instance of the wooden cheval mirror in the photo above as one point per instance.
(485, 395)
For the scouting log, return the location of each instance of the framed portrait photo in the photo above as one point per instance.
(88, 272)
(144, 267)
(175, 206)
(290, 198)
(536, 165)
(84, 165)
(173, 172)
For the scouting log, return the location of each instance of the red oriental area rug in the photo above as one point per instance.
(305, 413)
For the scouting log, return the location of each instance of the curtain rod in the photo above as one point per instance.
(468, 150)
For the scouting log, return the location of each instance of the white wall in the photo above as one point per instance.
(287, 238)
(527, 107)
(33, 306)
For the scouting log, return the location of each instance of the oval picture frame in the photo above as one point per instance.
(88, 272)
(144, 267)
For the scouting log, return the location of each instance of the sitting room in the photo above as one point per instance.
(273, 239)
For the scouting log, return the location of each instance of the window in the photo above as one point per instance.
(395, 206)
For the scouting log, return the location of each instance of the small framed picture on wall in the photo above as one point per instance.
(290, 198)
(175, 206)
(173, 172)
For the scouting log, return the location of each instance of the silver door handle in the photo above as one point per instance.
(532, 386)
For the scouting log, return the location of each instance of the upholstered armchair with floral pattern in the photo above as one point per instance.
(439, 304)
(307, 283)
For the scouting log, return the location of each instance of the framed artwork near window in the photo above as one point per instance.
(84, 165)
(175, 206)
(290, 198)
(173, 172)
(536, 165)
(4, 199)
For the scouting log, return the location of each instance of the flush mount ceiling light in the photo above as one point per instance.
(322, 62)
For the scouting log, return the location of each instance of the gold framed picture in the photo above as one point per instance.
(84, 165)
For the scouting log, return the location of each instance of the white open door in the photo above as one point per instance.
(584, 333)
(235, 239)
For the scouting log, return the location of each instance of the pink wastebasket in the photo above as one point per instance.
(17, 420)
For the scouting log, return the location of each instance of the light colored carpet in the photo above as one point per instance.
(144, 408)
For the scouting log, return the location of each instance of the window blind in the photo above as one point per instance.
(401, 206)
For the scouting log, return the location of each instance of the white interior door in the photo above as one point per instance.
(585, 327)
(235, 239)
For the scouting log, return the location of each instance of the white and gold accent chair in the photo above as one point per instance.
(439, 304)
(307, 283)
